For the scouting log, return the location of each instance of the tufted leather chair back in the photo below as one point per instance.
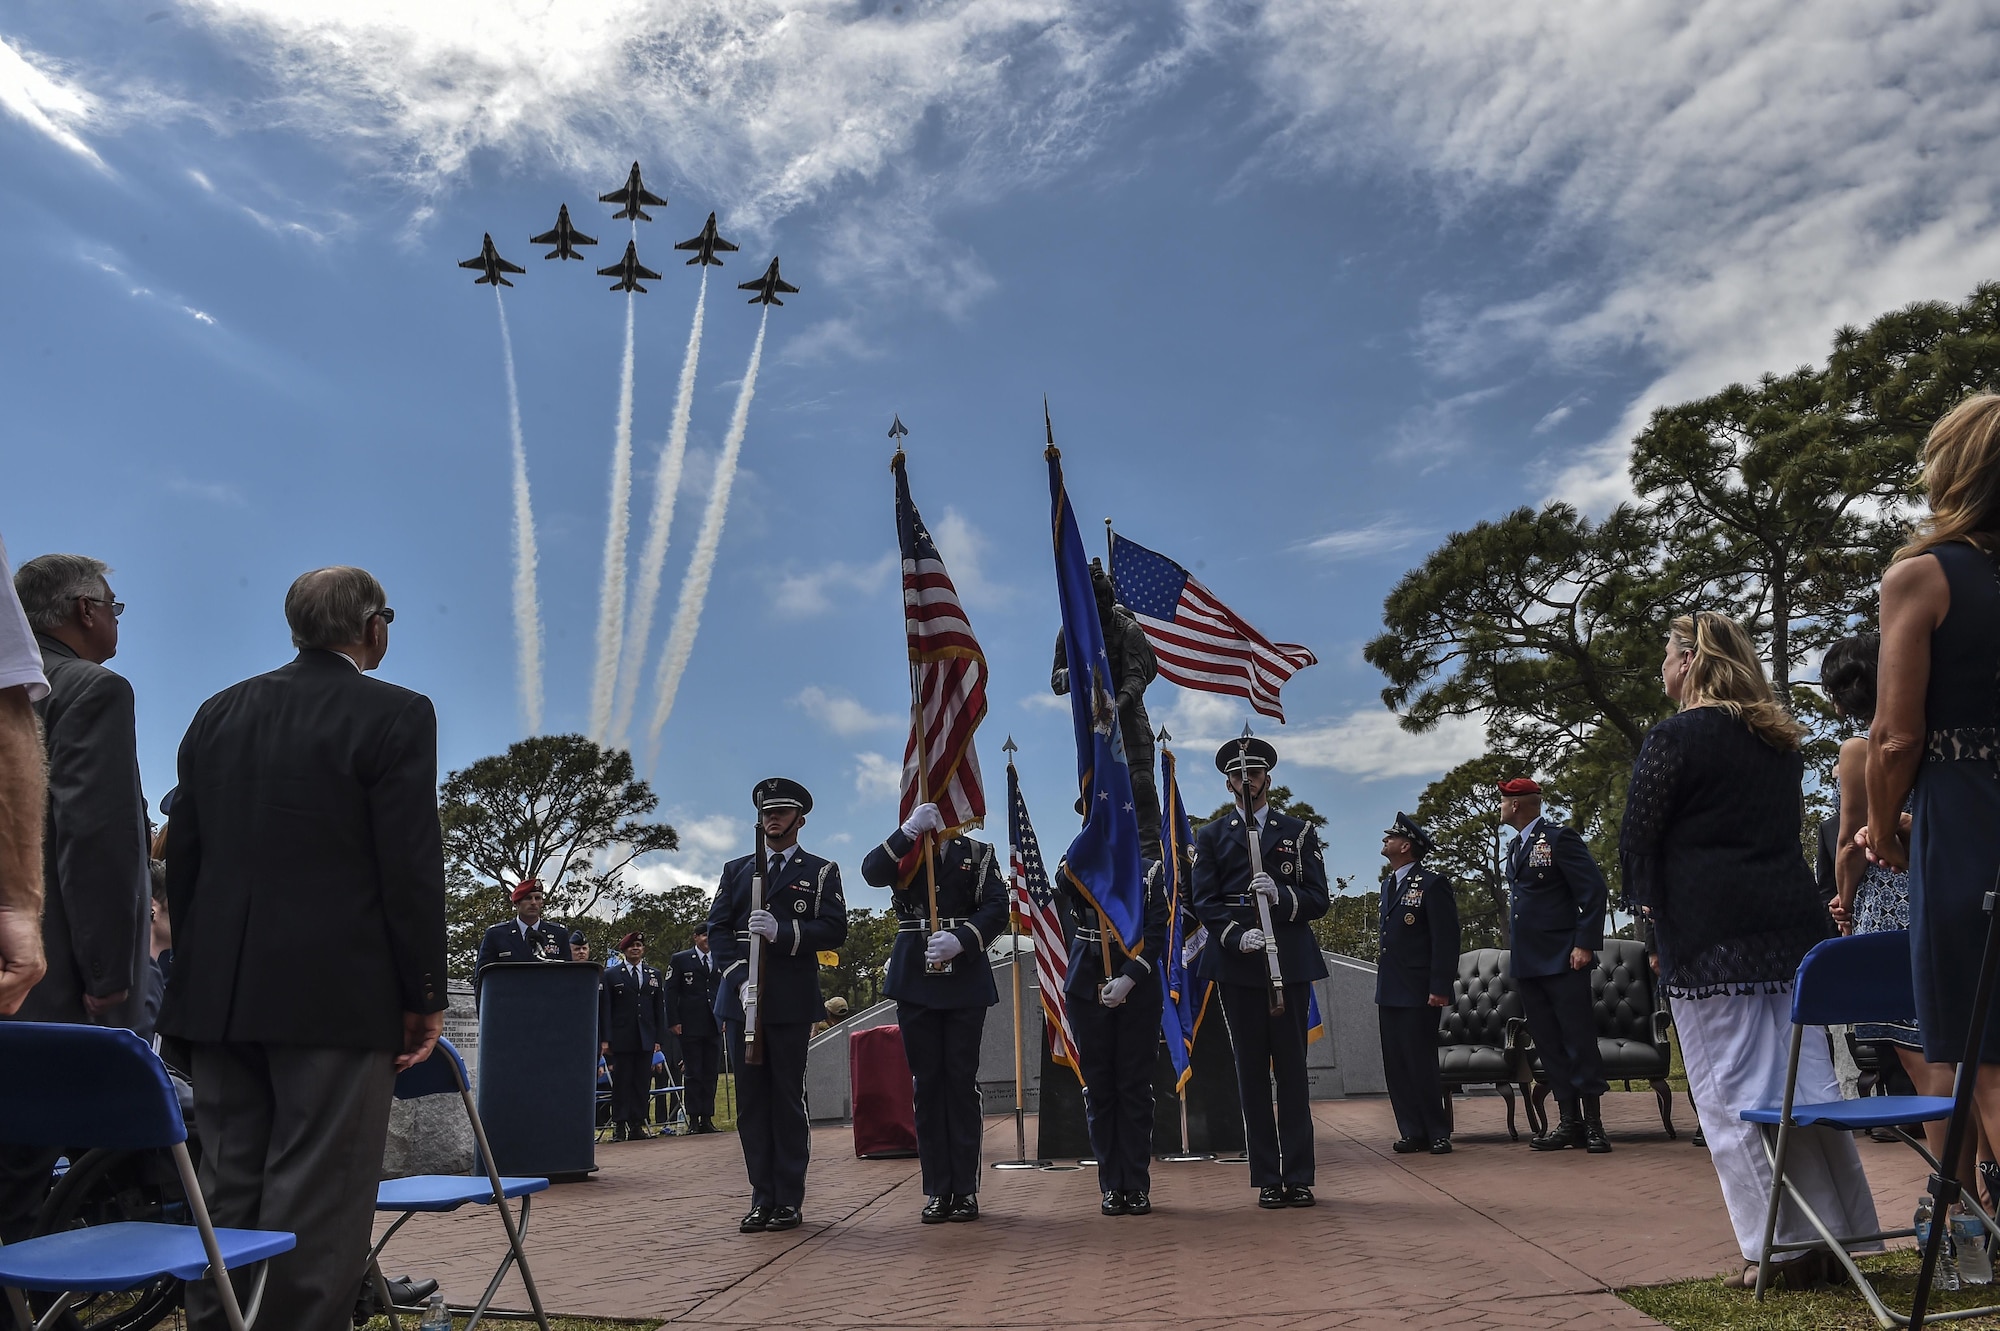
(1482, 1001)
(1621, 991)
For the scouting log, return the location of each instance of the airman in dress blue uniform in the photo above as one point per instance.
(1556, 900)
(1293, 884)
(1413, 977)
(942, 984)
(804, 913)
(631, 1018)
(693, 980)
(527, 937)
(1116, 1023)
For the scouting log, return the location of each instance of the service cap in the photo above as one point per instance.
(781, 792)
(1248, 752)
(1408, 828)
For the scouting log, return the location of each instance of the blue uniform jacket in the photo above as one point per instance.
(691, 990)
(1086, 955)
(631, 1010)
(1419, 939)
(1556, 899)
(812, 915)
(970, 890)
(503, 942)
(1224, 904)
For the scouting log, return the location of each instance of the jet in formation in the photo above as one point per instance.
(629, 270)
(768, 286)
(564, 237)
(490, 265)
(633, 196)
(706, 244)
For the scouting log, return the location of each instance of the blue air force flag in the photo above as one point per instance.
(1187, 997)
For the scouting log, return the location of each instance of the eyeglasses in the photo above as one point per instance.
(117, 607)
(385, 614)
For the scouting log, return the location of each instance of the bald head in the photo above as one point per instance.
(340, 609)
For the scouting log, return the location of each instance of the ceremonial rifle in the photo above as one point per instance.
(1251, 838)
(753, 1001)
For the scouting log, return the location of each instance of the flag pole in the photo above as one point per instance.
(899, 431)
(1107, 547)
(1188, 1154)
(1020, 1160)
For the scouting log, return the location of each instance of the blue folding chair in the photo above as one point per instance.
(85, 1086)
(441, 1073)
(1865, 978)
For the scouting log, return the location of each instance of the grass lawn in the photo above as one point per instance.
(1704, 1305)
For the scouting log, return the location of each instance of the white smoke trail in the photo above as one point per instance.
(527, 601)
(611, 596)
(694, 586)
(652, 560)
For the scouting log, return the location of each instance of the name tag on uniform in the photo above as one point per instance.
(1540, 856)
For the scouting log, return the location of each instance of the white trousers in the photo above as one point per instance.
(1736, 1048)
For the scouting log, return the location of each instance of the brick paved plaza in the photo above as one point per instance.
(1491, 1236)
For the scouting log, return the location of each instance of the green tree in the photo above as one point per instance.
(666, 919)
(1461, 811)
(1279, 798)
(864, 958)
(1352, 925)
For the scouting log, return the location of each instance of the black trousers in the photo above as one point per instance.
(701, 1057)
(1564, 1029)
(631, 1084)
(771, 1113)
(1117, 1048)
(1410, 1065)
(1272, 1048)
(942, 1046)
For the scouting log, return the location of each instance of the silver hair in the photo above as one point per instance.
(50, 586)
(330, 607)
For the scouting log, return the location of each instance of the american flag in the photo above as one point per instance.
(948, 672)
(1035, 906)
(1200, 642)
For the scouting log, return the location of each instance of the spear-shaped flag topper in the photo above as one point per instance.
(1010, 748)
(898, 431)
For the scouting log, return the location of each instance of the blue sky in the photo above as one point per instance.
(1308, 286)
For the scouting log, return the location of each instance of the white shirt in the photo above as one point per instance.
(20, 654)
(784, 857)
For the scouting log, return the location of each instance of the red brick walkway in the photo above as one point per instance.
(1491, 1236)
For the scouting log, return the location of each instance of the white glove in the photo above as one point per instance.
(1252, 941)
(942, 947)
(1265, 886)
(764, 924)
(1114, 991)
(924, 818)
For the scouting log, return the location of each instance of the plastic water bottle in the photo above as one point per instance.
(1975, 1258)
(436, 1318)
(1947, 1267)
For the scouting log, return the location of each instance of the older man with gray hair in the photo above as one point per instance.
(305, 875)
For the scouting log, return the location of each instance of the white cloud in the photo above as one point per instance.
(1045, 702)
(213, 492)
(828, 340)
(963, 549)
(841, 714)
(46, 101)
(708, 841)
(877, 777)
(1368, 744)
(812, 592)
(1378, 537)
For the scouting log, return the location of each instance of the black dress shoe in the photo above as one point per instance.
(639, 1133)
(1138, 1203)
(1299, 1195)
(936, 1210)
(1271, 1199)
(784, 1217)
(1594, 1140)
(964, 1208)
(1442, 1146)
(1114, 1203)
(1566, 1133)
(1410, 1145)
(756, 1222)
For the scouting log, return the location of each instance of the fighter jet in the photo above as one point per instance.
(564, 237)
(491, 265)
(706, 244)
(768, 286)
(632, 196)
(628, 271)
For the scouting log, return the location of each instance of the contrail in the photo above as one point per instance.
(666, 486)
(694, 587)
(611, 597)
(527, 602)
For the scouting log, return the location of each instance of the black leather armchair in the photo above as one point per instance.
(1482, 1038)
(1631, 1027)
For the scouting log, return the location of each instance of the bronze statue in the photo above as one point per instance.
(1133, 667)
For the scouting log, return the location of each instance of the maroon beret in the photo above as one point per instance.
(630, 939)
(1520, 785)
(522, 888)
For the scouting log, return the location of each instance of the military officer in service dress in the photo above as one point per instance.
(1413, 977)
(526, 937)
(1116, 1023)
(1293, 884)
(631, 1018)
(693, 979)
(942, 984)
(1556, 899)
(804, 912)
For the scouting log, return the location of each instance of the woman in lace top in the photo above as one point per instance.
(1710, 848)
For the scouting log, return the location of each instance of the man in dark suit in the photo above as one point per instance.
(1556, 898)
(942, 984)
(1293, 886)
(1413, 977)
(803, 914)
(305, 875)
(693, 979)
(526, 937)
(631, 1017)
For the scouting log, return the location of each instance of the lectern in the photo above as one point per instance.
(538, 1066)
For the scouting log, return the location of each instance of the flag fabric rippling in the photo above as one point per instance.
(1042, 919)
(1187, 997)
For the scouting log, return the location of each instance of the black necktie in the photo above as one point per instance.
(777, 867)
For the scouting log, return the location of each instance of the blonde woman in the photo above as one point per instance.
(1710, 846)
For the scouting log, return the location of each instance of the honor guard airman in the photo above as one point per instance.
(1556, 899)
(1116, 1023)
(693, 979)
(631, 1018)
(804, 913)
(526, 937)
(1413, 978)
(942, 983)
(1267, 1045)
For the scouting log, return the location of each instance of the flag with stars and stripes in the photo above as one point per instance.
(1035, 906)
(948, 673)
(1200, 642)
